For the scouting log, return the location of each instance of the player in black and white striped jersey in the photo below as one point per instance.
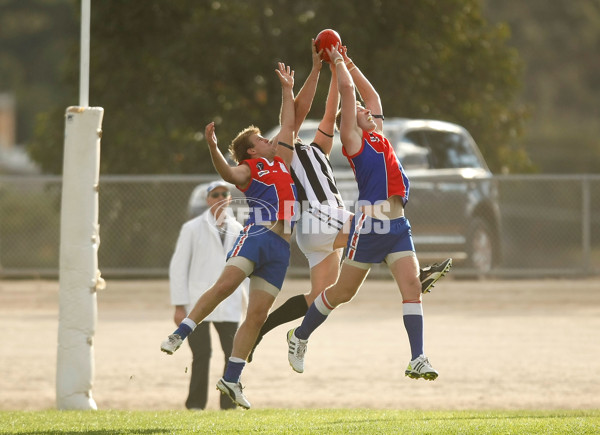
(313, 174)
(322, 210)
(324, 225)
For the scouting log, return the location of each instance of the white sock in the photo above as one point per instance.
(323, 305)
(189, 322)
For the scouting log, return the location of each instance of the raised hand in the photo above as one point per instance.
(344, 51)
(316, 56)
(211, 137)
(286, 75)
(334, 53)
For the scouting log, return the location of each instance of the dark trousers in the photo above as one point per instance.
(200, 344)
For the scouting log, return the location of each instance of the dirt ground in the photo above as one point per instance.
(521, 344)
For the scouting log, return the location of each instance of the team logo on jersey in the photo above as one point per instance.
(260, 166)
(373, 137)
(261, 173)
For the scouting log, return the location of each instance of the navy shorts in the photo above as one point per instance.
(269, 252)
(371, 240)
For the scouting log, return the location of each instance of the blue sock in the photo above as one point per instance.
(413, 322)
(185, 328)
(312, 320)
(233, 372)
(183, 331)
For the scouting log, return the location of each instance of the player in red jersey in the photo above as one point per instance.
(380, 231)
(323, 226)
(262, 249)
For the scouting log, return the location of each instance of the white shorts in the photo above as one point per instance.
(317, 229)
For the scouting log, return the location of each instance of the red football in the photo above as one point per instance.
(326, 39)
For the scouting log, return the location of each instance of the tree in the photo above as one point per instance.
(162, 70)
(558, 41)
(36, 39)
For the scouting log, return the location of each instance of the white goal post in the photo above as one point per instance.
(79, 277)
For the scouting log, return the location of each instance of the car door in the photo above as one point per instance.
(423, 209)
(451, 155)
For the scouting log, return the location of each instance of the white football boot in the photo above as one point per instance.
(171, 344)
(234, 391)
(421, 368)
(296, 351)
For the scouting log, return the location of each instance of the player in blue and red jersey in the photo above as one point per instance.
(262, 250)
(324, 224)
(380, 231)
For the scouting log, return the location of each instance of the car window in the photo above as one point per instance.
(412, 156)
(451, 150)
(420, 148)
(412, 152)
(306, 135)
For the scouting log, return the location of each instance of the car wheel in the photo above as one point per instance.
(480, 248)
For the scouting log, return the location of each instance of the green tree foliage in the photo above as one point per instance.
(36, 41)
(163, 69)
(560, 40)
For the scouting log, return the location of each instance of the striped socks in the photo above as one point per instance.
(317, 313)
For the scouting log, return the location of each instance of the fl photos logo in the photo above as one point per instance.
(266, 215)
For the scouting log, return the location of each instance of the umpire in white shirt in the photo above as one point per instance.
(196, 264)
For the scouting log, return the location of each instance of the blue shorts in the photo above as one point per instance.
(269, 252)
(371, 240)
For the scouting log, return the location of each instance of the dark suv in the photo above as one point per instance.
(453, 204)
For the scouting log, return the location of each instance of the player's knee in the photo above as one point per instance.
(411, 289)
(255, 321)
(256, 317)
(415, 284)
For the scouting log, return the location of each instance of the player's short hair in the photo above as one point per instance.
(241, 144)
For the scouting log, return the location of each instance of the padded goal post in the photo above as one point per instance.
(78, 266)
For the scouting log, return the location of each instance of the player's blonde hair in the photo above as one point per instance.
(241, 144)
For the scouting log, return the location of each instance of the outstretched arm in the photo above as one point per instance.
(324, 134)
(304, 99)
(350, 133)
(285, 138)
(365, 89)
(238, 175)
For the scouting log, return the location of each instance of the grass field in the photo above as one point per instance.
(274, 421)
(531, 348)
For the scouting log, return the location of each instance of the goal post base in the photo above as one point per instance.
(79, 277)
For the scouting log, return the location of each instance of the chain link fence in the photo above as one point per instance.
(550, 225)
